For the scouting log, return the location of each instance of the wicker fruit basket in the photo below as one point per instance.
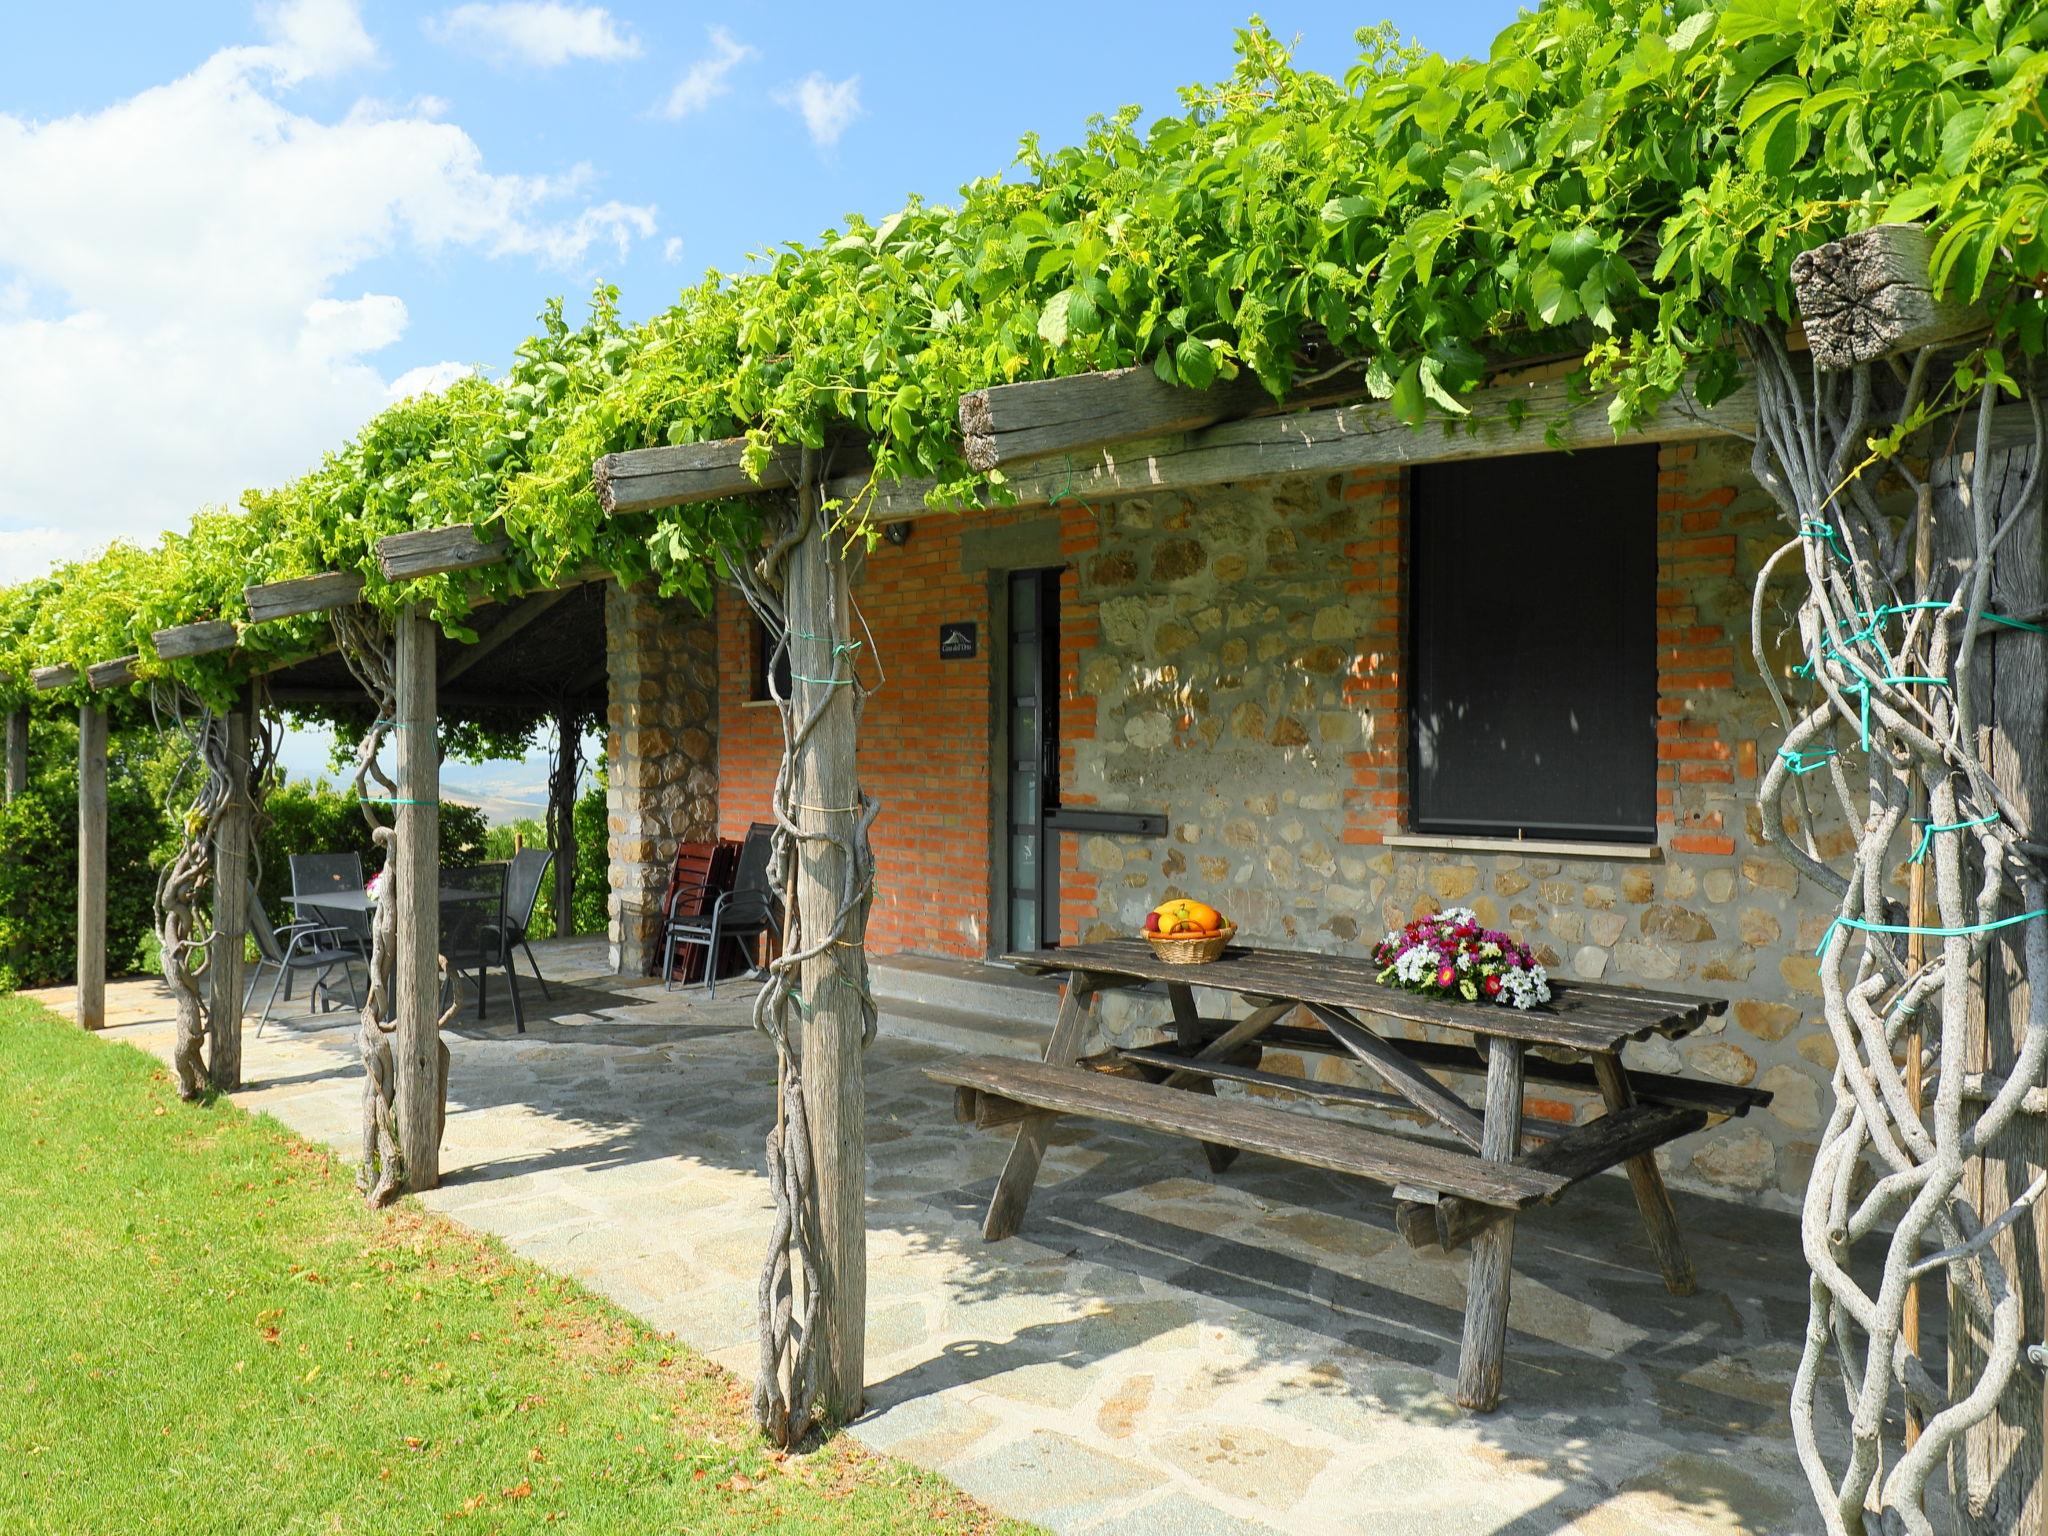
(1191, 949)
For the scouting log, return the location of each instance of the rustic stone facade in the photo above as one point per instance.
(662, 751)
(1243, 673)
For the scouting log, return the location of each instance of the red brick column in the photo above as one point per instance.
(1376, 801)
(1695, 659)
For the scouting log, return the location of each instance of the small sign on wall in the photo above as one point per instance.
(957, 642)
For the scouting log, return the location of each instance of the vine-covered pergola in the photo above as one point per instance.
(1817, 225)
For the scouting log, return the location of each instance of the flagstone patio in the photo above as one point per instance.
(1160, 1351)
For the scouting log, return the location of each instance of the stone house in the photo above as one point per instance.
(1325, 703)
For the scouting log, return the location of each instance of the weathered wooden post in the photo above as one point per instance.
(1998, 1478)
(826, 793)
(92, 866)
(562, 812)
(232, 851)
(416, 865)
(17, 752)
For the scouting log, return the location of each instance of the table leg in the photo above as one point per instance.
(1020, 1171)
(1660, 1221)
(1493, 1251)
(1187, 1029)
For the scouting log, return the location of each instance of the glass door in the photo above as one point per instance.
(1031, 715)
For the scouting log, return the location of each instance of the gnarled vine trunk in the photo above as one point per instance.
(1907, 704)
(214, 794)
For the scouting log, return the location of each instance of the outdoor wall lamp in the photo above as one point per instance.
(896, 533)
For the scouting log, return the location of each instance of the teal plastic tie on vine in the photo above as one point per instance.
(1812, 528)
(1932, 933)
(1927, 835)
(1798, 761)
(1989, 618)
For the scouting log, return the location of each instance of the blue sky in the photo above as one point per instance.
(228, 233)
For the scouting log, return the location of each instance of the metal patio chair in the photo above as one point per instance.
(473, 932)
(300, 946)
(315, 873)
(523, 881)
(746, 912)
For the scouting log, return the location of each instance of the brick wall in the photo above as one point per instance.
(924, 739)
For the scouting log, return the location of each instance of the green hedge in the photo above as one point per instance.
(39, 880)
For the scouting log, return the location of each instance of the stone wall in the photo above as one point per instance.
(662, 751)
(1243, 673)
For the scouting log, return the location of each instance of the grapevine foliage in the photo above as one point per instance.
(1621, 184)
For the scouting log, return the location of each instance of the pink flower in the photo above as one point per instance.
(1446, 974)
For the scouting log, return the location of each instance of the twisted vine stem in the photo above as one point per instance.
(201, 794)
(787, 1389)
(370, 648)
(1893, 630)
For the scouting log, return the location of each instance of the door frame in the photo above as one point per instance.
(1000, 938)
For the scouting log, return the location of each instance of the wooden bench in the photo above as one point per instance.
(1496, 1163)
(1251, 1126)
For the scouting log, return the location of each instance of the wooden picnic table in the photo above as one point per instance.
(1496, 1163)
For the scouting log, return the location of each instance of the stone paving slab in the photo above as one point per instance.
(1158, 1351)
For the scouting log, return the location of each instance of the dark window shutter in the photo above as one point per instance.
(1533, 664)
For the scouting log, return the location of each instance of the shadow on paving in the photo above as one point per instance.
(1612, 1384)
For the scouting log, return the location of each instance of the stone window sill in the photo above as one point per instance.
(1541, 846)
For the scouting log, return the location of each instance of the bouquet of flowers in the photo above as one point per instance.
(374, 886)
(1448, 954)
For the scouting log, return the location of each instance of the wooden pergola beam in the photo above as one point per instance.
(1504, 419)
(48, 679)
(1008, 423)
(643, 479)
(117, 673)
(1870, 295)
(204, 638)
(314, 695)
(437, 551)
(302, 595)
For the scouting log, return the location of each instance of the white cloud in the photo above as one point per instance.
(310, 38)
(170, 326)
(705, 81)
(430, 379)
(826, 106)
(343, 328)
(544, 35)
(672, 248)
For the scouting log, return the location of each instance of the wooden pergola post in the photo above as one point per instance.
(1998, 1474)
(17, 752)
(562, 807)
(92, 866)
(827, 791)
(232, 857)
(416, 866)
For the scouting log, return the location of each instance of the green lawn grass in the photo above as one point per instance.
(202, 1330)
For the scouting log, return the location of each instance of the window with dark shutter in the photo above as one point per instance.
(1532, 646)
(757, 681)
